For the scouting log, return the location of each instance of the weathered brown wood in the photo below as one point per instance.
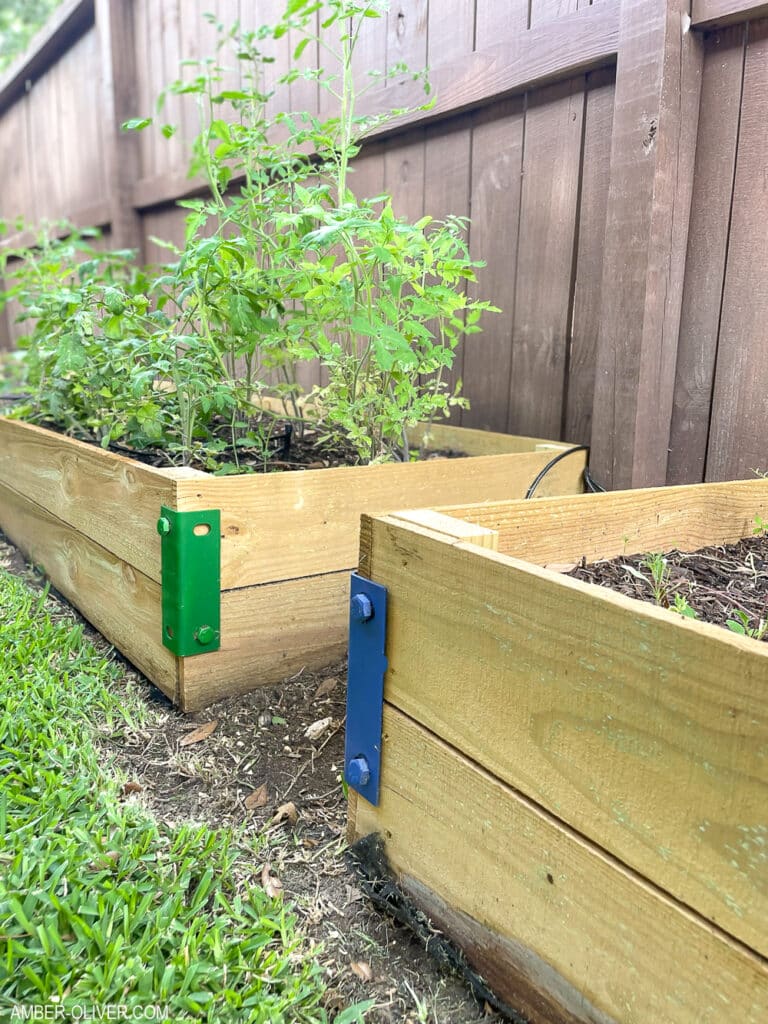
(549, 204)
(66, 25)
(407, 35)
(591, 704)
(115, 26)
(652, 154)
(489, 28)
(404, 174)
(739, 423)
(585, 322)
(553, 51)
(112, 500)
(280, 526)
(717, 13)
(268, 634)
(118, 599)
(551, 10)
(497, 160)
(563, 931)
(450, 31)
(707, 254)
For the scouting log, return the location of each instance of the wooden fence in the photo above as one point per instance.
(612, 156)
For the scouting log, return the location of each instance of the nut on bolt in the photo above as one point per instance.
(205, 635)
(163, 526)
(358, 772)
(361, 607)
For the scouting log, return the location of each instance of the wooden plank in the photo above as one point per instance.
(268, 634)
(448, 526)
(551, 52)
(497, 160)
(491, 24)
(717, 13)
(281, 526)
(60, 31)
(563, 933)
(447, 184)
(550, 10)
(652, 154)
(739, 418)
(444, 437)
(545, 258)
(450, 31)
(592, 705)
(404, 174)
(593, 200)
(120, 601)
(109, 499)
(707, 253)
(407, 36)
(555, 530)
(120, 152)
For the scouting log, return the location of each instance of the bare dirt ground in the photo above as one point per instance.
(271, 763)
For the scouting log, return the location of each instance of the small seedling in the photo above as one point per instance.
(759, 526)
(681, 606)
(742, 624)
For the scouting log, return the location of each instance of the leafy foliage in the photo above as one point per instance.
(19, 21)
(290, 266)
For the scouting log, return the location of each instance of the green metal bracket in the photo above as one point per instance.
(190, 544)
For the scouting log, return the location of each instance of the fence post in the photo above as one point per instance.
(114, 24)
(658, 81)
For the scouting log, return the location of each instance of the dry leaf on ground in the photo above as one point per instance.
(327, 686)
(132, 787)
(362, 970)
(271, 883)
(199, 734)
(285, 812)
(318, 728)
(258, 798)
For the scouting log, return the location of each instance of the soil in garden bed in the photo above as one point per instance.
(287, 449)
(720, 584)
(271, 761)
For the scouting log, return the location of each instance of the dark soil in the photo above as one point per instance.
(720, 584)
(258, 769)
(286, 447)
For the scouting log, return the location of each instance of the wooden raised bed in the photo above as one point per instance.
(575, 783)
(288, 542)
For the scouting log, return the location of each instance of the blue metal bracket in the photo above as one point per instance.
(365, 686)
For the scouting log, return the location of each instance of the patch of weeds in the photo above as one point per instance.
(100, 905)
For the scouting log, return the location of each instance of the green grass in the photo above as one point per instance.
(100, 905)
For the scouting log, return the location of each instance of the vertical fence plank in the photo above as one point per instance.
(494, 23)
(550, 10)
(450, 30)
(497, 153)
(652, 153)
(589, 259)
(737, 445)
(407, 34)
(707, 251)
(115, 27)
(547, 229)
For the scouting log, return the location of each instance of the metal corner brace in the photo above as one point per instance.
(190, 545)
(365, 686)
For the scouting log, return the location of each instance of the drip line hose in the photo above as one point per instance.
(592, 486)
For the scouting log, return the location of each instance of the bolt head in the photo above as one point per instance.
(358, 772)
(205, 635)
(361, 607)
(163, 526)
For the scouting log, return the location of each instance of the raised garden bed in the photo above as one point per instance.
(574, 784)
(287, 544)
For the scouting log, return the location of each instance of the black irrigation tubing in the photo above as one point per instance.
(589, 481)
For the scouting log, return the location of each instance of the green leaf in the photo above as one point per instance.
(136, 124)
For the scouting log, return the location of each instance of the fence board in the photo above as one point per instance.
(551, 162)
(589, 259)
(497, 159)
(739, 414)
(707, 253)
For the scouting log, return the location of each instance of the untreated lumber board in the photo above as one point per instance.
(716, 13)
(121, 602)
(622, 522)
(644, 731)
(112, 500)
(739, 422)
(564, 933)
(658, 76)
(268, 633)
(710, 222)
(280, 526)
